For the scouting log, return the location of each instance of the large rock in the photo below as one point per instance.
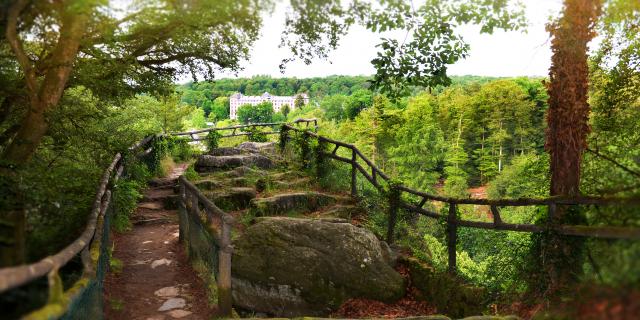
(290, 203)
(257, 146)
(227, 151)
(213, 163)
(232, 198)
(295, 267)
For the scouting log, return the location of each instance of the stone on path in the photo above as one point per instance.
(167, 292)
(160, 262)
(173, 303)
(179, 313)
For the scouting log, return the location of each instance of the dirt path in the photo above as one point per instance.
(156, 281)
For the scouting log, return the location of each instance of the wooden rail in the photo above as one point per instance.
(374, 175)
(193, 134)
(13, 277)
(191, 201)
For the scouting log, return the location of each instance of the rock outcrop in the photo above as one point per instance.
(290, 203)
(294, 267)
(207, 163)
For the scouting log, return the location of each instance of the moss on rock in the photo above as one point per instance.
(322, 262)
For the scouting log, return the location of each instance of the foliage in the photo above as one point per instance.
(261, 113)
(125, 199)
(191, 174)
(213, 139)
(256, 134)
(526, 177)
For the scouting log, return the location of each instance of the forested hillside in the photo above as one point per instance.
(82, 81)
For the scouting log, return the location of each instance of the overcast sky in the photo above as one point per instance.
(500, 54)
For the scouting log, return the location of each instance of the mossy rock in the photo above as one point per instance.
(227, 151)
(287, 175)
(208, 184)
(343, 212)
(294, 267)
(207, 163)
(290, 203)
(447, 292)
(244, 171)
(232, 198)
(258, 146)
(239, 182)
(293, 184)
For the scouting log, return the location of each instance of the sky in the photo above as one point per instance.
(502, 54)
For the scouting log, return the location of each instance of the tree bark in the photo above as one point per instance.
(566, 135)
(44, 94)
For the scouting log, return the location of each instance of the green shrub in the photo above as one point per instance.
(126, 194)
(256, 135)
(191, 174)
(181, 150)
(213, 140)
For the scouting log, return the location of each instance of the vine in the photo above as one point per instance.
(322, 165)
(284, 137)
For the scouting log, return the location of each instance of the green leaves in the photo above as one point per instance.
(431, 42)
(260, 113)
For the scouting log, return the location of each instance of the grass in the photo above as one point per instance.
(166, 166)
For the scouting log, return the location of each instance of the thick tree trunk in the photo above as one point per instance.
(567, 131)
(44, 94)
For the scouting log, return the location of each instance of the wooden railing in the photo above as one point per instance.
(196, 135)
(196, 205)
(90, 239)
(374, 175)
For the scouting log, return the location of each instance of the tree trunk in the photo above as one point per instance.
(44, 94)
(566, 134)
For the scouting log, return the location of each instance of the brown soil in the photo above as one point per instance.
(408, 306)
(130, 293)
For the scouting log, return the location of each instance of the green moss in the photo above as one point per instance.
(59, 300)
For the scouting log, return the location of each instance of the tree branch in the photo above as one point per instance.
(616, 163)
(18, 50)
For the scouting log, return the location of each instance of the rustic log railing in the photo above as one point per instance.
(192, 200)
(196, 134)
(92, 240)
(374, 175)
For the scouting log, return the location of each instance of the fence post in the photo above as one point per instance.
(452, 237)
(354, 192)
(224, 273)
(394, 199)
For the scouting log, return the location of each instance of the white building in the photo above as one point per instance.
(238, 99)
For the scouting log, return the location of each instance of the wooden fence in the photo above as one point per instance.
(91, 239)
(375, 176)
(192, 200)
(196, 135)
